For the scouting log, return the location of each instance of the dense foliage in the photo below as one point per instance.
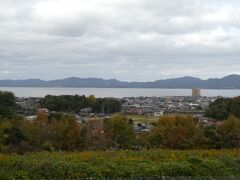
(7, 104)
(174, 132)
(69, 103)
(119, 132)
(107, 105)
(224, 107)
(49, 135)
(63, 132)
(182, 132)
(112, 164)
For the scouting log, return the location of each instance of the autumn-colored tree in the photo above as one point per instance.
(93, 135)
(58, 131)
(173, 131)
(91, 99)
(42, 119)
(67, 133)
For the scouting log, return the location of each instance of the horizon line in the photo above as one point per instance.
(107, 79)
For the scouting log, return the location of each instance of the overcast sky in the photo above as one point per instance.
(132, 40)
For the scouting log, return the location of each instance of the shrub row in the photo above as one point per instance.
(151, 163)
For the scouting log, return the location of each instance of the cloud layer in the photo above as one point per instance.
(137, 40)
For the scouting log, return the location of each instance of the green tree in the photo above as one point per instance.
(7, 99)
(229, 132)
(69, 103)
(119, 132)
(14, 132)
(197, 141)
(3, 135)
(213, 137)
(156, 137)
(107, 105)
(222, 108)
(7, 104)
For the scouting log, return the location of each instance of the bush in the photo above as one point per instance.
(112, 164)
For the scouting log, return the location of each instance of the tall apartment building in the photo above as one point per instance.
(196, 92)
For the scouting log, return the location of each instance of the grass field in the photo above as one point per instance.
(146, 163)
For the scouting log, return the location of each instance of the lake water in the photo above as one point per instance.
(116, 92)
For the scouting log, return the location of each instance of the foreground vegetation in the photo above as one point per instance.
(146, 163)
(57, 146)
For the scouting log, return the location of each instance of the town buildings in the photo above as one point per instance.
(158, 106)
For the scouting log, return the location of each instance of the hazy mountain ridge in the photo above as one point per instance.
(228, 82)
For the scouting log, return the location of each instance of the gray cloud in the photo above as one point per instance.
(136, 40)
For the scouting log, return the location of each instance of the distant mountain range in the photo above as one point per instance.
(228, 82)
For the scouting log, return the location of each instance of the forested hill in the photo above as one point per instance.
(228, 82)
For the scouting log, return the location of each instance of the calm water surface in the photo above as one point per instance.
(116, 92)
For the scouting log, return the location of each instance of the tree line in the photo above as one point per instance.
(222, 108)
(60, 132)
(70, 103)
